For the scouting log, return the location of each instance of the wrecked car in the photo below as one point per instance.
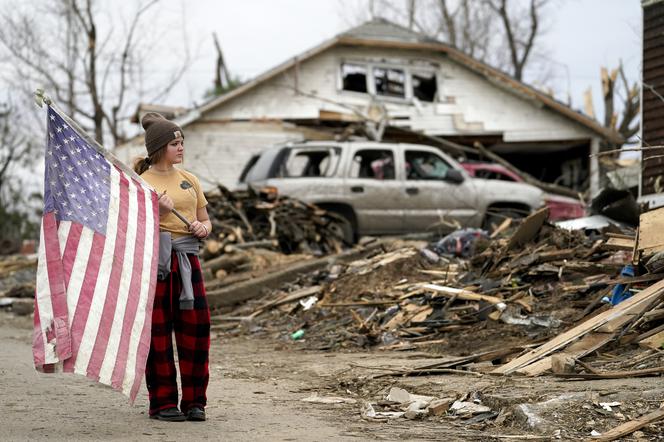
(560, 207)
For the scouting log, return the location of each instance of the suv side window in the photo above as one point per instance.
(374, 164)
(311, 163)
(423, 165)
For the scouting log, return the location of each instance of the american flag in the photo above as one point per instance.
(97, 265)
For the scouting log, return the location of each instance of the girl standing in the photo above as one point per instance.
(180, 304)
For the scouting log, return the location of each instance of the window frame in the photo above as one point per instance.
(334, 153)
(358, 150)
(408, 71)
(436, 154)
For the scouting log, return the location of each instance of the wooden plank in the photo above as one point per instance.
(653, 371)
(586, 345)
(619, 244)
(528, 229)
(631, 426)
(564, 339)
(651, 231)
(462, 294)
(579, 349)
(290, 297)
(654, 342)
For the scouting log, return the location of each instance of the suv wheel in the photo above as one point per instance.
(343, 228)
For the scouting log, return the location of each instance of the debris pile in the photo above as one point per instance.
(520, 288)
(245, 219)
(17, 283)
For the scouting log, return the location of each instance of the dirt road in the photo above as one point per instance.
(256, 393)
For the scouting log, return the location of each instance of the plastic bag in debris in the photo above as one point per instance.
(460, 243)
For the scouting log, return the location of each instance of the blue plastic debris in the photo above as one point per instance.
(621, 291)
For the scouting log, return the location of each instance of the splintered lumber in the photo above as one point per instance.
(651, 232)
(464, 294)
(528, 229)
(248, 289)
(579, 349)
(654, 342)
(631, 426)
(290, 297)
(619, 244)
(628, 306)
(654, 371)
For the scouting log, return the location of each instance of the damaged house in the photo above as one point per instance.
(386, 82)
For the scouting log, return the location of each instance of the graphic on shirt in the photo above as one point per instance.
(185, 184)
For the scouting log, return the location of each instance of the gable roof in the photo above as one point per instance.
(381, 33)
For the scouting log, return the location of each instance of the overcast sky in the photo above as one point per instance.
(256, 35)
(259, 34)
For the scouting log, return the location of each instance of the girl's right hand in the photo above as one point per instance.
(165, 204)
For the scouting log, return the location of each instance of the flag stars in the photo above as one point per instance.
(52, 117)
(58, 129)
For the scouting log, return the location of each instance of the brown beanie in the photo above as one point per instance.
(159, 131)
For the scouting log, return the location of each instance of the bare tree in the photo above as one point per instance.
(94, 75)
(520, 33)
(497, 32)
(14, 150)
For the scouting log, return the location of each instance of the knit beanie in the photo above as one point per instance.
(159, 131)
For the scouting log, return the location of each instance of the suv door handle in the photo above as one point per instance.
(357, 189)
(412, 190)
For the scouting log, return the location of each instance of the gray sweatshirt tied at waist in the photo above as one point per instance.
(181, 246)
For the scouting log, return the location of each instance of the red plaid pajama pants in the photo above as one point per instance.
(192, 336)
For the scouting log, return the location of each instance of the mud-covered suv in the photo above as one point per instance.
(382, 188)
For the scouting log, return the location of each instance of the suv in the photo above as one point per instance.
(383, 188)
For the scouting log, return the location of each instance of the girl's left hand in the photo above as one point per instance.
(198, 229)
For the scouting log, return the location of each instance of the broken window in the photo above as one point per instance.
(390, 82)
(354, 77)
(422, 165)
(311, 163)
(425, 86)
(373, 164)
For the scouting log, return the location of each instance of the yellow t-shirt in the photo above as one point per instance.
(185, 191)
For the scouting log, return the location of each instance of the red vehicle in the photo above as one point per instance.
(560, 207)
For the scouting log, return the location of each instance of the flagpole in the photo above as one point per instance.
(41, 98)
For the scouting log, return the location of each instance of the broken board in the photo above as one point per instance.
(651, 232)
(630, 305)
